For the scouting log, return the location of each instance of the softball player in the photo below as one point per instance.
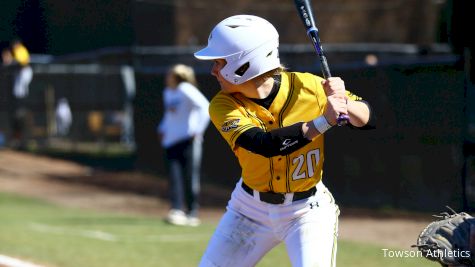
(274, 121)
(181, 133)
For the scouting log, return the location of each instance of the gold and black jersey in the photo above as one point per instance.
(300, 98)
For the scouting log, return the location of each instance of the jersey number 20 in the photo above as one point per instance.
(301, 171)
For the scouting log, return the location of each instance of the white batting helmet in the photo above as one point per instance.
(249, 44)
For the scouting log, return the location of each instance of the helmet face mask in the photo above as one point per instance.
(249, 44)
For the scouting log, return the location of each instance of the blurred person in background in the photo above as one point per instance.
(181, 132)
(18, 57)
(64, 117)
(7, 57)
(24, 75)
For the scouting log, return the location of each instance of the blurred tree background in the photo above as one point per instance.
(58, 27)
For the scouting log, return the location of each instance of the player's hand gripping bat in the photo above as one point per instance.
(305, 11)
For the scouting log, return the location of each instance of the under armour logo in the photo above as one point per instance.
(314, 205)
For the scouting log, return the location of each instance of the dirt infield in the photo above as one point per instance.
(73, 185)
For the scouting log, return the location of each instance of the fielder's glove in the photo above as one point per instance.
(450, 240)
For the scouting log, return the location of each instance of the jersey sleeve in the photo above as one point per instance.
(371, 124)
(229, 118)
(320, 93)
(352, 96)
(200, 104)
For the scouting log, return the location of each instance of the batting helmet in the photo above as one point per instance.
(249, 44)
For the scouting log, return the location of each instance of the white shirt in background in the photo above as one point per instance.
(186, 114)
(64, 117)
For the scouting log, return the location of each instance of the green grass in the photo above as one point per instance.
(64, 237)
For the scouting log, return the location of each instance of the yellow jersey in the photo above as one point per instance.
(300, 98)
(21, 54)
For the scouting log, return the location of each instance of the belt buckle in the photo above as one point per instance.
(272, 197)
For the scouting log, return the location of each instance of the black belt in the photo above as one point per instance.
(279, 198)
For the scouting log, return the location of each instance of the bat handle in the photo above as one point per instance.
(342, 119)
(325, 68)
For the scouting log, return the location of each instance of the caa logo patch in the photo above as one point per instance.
(229, 125)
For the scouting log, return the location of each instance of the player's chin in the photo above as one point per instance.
(226, 89)
(221, 87)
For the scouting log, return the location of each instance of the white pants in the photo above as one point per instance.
(250, 228)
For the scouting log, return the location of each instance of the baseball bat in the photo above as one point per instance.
(304, 9)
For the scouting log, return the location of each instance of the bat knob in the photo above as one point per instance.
(342, 120)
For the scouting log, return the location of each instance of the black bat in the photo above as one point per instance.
(304, 9)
